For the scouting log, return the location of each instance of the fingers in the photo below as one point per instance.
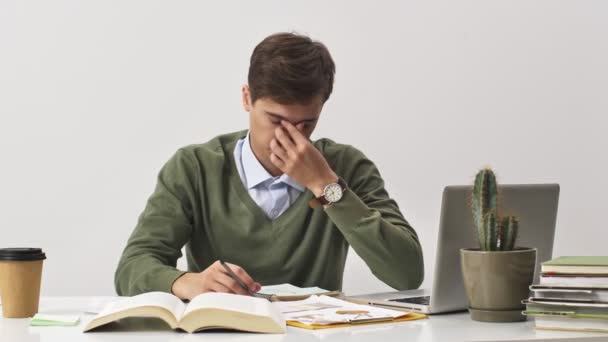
(294, 133)
(277, 149)
(240, 273)
(244, 276)
(226, 284)
(219, 287)
(277, 161)
(284, 139)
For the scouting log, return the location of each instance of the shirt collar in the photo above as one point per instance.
(256, 174)
(291, 182)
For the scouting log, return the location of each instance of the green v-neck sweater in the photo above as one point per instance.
(201, 202)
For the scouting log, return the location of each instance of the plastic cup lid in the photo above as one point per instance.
(21, 254)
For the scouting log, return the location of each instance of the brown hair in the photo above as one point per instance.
(290, 68)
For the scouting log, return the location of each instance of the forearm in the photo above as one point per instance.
(144, 274)
(382, 237)
(149, 260)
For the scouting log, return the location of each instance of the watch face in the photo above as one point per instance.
(333, 192)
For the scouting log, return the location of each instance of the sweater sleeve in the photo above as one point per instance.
(148, 262)
(373, 225)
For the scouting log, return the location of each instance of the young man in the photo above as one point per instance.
(247, 197)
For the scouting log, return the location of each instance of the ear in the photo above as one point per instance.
(246, 98)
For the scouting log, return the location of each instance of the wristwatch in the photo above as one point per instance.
(332, 193)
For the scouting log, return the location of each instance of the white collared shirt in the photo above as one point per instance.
(272, 194)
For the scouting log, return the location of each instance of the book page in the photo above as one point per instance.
(159, 299)
(233, 302)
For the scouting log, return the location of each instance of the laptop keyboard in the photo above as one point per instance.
(424, 300)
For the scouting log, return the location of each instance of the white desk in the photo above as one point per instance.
(437, 328)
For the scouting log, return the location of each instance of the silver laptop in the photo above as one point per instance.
(534, 204)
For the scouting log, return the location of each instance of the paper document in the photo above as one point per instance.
(324, 310)
(291, 290)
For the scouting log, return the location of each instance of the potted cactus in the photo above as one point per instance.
(497, 274)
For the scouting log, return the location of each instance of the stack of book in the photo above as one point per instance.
(572, 295)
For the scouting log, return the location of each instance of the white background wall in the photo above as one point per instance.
(96, 95)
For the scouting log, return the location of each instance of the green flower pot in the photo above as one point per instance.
(496, 282)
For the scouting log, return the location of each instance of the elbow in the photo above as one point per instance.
(413, 276)
(117, 284)
(417, 275)
(416, 265)
(417, 278)
(409, 278)
(119, 281)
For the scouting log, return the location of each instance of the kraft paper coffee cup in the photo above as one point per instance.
(20, 275)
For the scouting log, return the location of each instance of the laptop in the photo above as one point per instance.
(534, 204)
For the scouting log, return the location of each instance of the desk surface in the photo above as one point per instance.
(439, 328)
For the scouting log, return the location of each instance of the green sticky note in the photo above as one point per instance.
(578, 261)
(54, 320)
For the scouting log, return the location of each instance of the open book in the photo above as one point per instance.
(205, 311)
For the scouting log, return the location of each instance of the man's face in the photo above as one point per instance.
(265, 117)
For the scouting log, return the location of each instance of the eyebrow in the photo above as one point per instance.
(279, 117)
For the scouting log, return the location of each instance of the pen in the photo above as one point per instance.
(241, 283)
